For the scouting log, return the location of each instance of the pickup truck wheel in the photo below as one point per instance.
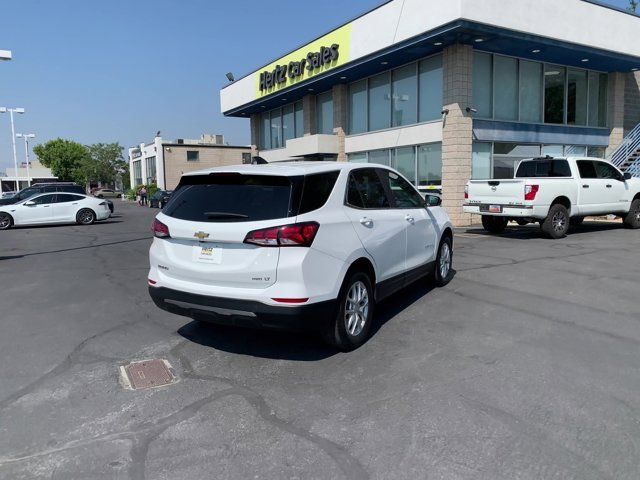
(494, 224)
(556, 224)
(632, 219)
(576, 221)
(352, 324)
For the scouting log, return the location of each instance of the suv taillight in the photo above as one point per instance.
(295, 235)
(530, 191)
(160, 230)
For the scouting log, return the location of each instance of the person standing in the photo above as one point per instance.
(143, 196)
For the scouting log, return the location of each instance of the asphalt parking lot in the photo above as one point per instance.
(527, 365)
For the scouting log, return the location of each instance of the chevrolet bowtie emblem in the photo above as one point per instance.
(201, 235)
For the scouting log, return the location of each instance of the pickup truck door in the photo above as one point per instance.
(615, 196)
(591, 189)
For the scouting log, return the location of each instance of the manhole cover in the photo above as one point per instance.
(146, 374)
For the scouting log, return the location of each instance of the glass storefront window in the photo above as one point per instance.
(404, 160)
(597, 99)
(276, 129)
(265, 132)
(575, 151)
(405, 96)
(430, 164)
(324, 111)
(505, 88)
(577, 97)
(553, 150)
(288, 124)
(507, 155)
(360, 157)
(430, 82)
(482, 82)
(358, 107)
(379, 156)
(299, 120)
(596, 152)
(379, 102)
(530, 91)
(481, 161)
(554, 94)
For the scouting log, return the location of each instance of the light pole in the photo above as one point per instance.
(13, 138)
(26, 137)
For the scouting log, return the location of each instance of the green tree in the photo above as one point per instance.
(633, 5)
(105, 162)
(66, 159)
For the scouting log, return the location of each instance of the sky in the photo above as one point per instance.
(120, 70)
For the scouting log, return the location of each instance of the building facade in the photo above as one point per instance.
(163, 162)
(448, 91)
(38, 173)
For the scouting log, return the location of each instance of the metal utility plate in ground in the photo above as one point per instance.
(147, 374)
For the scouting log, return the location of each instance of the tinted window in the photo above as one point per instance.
(587, 169)
(62, 198)
(69, 188)
(45, 199)
(544, 168)
(231, 197)
(404, 194)
(316, 191)
(365, 190)
(605, 170)
(26, 193)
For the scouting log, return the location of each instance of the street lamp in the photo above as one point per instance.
(13, 138)
(26, 137)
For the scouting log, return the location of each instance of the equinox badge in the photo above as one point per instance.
(201, 235)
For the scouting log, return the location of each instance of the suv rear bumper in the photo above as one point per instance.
(244, 313)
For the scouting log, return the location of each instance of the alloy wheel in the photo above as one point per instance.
(86, 217)
(559, 222)
(5, 221)
(445, 260)
(356, 309)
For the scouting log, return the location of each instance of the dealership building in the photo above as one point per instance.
(445, 91)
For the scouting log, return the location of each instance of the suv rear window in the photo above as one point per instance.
(543, 168)
(231, 197)
(316, 191)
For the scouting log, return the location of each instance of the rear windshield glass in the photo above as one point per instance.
(544, 168)
(231, 197)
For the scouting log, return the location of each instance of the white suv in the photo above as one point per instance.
(295, 245)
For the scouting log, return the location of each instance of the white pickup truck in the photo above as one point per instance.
(555, 192)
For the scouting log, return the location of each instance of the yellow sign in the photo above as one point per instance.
(315, 58)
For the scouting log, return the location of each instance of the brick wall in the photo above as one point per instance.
(457, 130)
(340, 106)
(175, 160)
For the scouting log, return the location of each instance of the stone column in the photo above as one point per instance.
(615, 110)
(309, 114)
(457, 132)
(340, 106)
(255, 133)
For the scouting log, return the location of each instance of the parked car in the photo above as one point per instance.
(304, 245)
(160, 198)
(557, 193)
(7, 194)
(37, 188)
(50, 208)
(106, 193)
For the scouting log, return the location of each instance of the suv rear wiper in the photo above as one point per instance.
(211, 215)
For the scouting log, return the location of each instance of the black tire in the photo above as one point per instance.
(576, 221)
(494, 224)
(556, 224)
(6, 221)
(632, 219)
(443, 270)
(86, 216)
(342, 333)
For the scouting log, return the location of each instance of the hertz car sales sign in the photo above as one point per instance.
(315, 58)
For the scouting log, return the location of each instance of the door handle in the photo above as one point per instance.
(367, 222)
(608, 186)
(75, 203)
(46, 206)
(585, 186)
(409, 218)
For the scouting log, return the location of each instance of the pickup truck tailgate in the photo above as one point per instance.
(498, 192)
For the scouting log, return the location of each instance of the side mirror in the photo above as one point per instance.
(627, 176)
(432, 200)
(30, 203)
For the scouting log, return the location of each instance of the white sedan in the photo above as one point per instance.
(49, 208)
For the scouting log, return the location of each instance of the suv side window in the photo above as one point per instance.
(315, 192)
(48, 189)
(587, 169)
(404, 194)
(606, 170)
(365, 190)
(45, 199)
